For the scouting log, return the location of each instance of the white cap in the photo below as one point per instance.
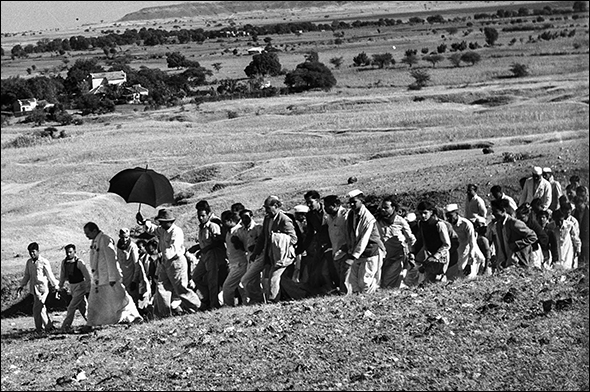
(354, 193)
(301, 208)
(480, 220)
(410, 217)
(451, 207)
(537, 170)
(546, 170)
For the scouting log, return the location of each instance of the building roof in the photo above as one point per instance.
(109, 75)
(137, 88)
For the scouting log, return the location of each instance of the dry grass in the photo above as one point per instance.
(489, 334)
(395, 141)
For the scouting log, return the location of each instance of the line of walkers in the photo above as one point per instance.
(322, 247)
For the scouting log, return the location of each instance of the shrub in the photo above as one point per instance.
(383, 60)
(264, 64)
(471, 57)
(441, 48)
(491, 35)
(336, 61)
(455, 59)
(231, 114)
(361, 59)
(433, 59)
(309, 75)
(63, 118)
(410, 60)
(22, 141)
(37, 116)
(421, 79)
(519, 70)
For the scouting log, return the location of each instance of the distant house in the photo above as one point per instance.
(25, 105)
(134, 93)
(116, 78)
(256, 50)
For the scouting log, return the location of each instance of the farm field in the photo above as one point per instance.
(410, 143)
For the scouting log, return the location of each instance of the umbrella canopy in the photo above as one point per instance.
(141, 185)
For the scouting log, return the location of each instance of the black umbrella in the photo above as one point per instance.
(141, 185)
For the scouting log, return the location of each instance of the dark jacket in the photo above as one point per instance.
(517, 241)
(281, 223)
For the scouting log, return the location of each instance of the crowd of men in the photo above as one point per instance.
(324, 246)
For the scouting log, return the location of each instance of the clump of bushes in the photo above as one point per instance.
(508, 157)
(421, 78)
(38, 137)
(519, 70)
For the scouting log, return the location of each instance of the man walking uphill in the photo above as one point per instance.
(172, 270)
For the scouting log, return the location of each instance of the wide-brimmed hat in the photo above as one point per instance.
(537, 170)
(547, 170)
(165, 215)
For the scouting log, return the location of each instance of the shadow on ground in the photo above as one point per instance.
(24, 307)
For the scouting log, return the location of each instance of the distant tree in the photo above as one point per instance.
(227, 86)
(424, 50)
(452, 30)
(75, 82)
(18, 51)
(29, 71)
(471, 57)
(580, 6)
(455, 59)
(522, 11)
(433, 59)
(382, 60)
(415, 20)
(459, 46)
(435, 19)
(410, 52)
(410, 60)
(309, 75)
(519, 70)
(63, 117)
(421, 78)
(312, 56)
(361, 59)
(175, 60)
(92, 104)
(264, 64)
(196, 76)
(37, 116)
(441, 48)
(491, 35)
(336, 61)
(216, 66)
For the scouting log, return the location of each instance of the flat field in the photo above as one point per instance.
(394, 140)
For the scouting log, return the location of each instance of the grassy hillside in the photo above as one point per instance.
(490, 334)
(520, 330)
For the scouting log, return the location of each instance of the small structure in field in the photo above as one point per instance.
(24, 105)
